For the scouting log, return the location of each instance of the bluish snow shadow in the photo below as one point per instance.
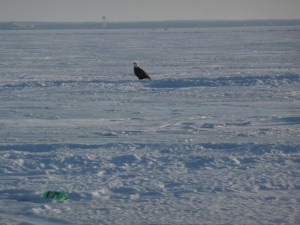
(22, 195)
(252, 147)
(288, 120)
(177, 82)
(243, 81)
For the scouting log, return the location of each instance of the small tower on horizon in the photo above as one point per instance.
(103, 22)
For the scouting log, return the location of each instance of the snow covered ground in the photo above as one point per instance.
(213, 138)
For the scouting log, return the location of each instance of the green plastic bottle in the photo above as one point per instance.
(55, 195)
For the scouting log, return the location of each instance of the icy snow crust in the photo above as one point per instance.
(213, 138)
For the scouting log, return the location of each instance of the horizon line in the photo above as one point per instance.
(143, 21)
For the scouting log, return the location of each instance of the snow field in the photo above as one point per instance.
(213, 138)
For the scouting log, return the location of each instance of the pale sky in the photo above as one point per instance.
(146, 10)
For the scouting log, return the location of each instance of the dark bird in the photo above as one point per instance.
(139, 72)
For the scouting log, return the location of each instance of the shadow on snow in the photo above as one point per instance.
(230, 147)
(169, 83)
(242, 81)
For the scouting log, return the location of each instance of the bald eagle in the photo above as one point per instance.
(139, 72)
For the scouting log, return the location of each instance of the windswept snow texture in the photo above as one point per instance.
(214, 138)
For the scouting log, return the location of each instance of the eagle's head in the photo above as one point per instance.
(135, 64)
